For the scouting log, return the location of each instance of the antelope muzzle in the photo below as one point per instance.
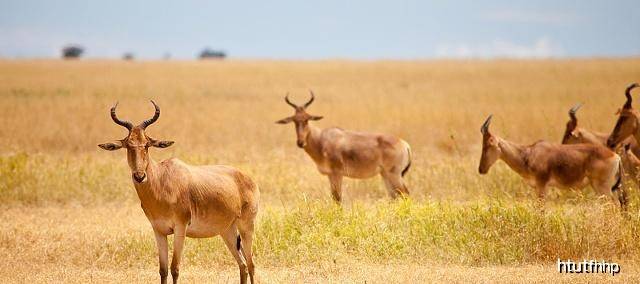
(139, 176)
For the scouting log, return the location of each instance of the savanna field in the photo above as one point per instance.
(69, 212)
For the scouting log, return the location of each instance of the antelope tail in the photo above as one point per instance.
(239, 248)
(406, 169)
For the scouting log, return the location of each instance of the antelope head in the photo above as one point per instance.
(490, 148)
(627, 123)
(572, 133)
(301, 119)
(137, 143)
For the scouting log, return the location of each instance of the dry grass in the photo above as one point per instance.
(353, 272)
(317, 242)
(69, 212)
(214, 107)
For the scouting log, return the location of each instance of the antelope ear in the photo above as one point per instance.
(111, 146)
(161, 143)
(285, 120)
(313, 117)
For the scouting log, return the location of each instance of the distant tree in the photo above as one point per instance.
(166, 56)
(72, 51)
(128, 56)
(208, 53)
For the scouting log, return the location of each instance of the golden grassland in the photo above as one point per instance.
(69, 212)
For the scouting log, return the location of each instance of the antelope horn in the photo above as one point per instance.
(115, 118)
(286, 99)
(627, 94)
(310, 100)
(155, 117)
(485, 126)
(573, 110)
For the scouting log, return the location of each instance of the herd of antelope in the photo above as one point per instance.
(206, 201)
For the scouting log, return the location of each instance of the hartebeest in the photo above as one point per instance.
(189, 201)
(574, 134)
(628, 123)
(338, 152)
(543, 164)
(631, 164)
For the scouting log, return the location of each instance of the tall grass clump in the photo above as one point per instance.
(483, 232)
(41, 179)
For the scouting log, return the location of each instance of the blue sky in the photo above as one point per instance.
(323, 29)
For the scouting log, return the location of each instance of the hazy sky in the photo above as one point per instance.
(322, 29)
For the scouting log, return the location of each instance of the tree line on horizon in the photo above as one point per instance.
(75, 51)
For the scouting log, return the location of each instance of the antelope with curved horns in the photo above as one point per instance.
(189, 201)
(338, 153)
(574, 134)
(543, 164)
(628, 121)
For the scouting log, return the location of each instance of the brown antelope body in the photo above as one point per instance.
(575, 134)
(189, 201)
(543, 164)
(338, 153)
(627, 132)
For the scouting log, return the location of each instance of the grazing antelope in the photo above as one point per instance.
(628, 121)
(189, 201)
(574, 134)
(337, 152)
(543, 164)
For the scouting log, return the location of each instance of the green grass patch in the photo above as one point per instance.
(483, 232)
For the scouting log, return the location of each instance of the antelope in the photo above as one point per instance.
(631, 163)
(543, 164)
(628, 120)
(574, 134)
(189, 201)
(338, 152)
